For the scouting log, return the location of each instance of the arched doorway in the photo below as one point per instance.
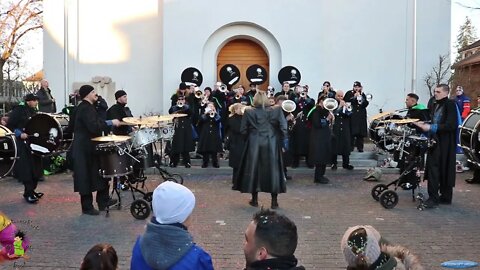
(243, 53)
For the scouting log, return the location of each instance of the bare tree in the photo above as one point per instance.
(440, 73)
(17, 18)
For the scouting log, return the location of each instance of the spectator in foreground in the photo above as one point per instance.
(100, 257)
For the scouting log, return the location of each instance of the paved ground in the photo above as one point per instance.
(61, 235)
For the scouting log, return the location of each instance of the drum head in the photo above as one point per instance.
(8, 151)
(469, 140)
(45, 133)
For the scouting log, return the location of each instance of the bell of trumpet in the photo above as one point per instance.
(289, 106)
(199, 94)
(330, 104)
(369, 97)
(223, 88)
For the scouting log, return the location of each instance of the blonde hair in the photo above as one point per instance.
(260, 99)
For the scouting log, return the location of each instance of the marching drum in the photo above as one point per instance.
(469, 137)
(114, 161)
(8, 151)
(47, 133)
(143, 137)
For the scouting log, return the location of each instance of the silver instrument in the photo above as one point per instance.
(289, 106)
(330, 104)
(369, 97)
(223, 88)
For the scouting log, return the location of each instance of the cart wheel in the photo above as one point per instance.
(377, 190)
(388, 199)
(140, 209)
(170, 179)
(178, 178)
(148, 196)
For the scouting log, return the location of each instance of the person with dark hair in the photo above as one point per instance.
(87, 124)
(167, 243)
(359, 103)
(100, 257)
(341, 133)
(270, 242)
(119, 111)
(440, 165)
(415, 110)
(327, 90)
(463, 102)
(320, 120)
(182, 142)
(46, 102)
(286, 91)
(28, 167)
(261, 166)
(364, 249)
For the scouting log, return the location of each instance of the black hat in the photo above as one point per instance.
(30, 97)
(120, 93)
(229, 74)
(289, 74)
(85, 90)
(182, 86)
(192, 76)
(357, 83)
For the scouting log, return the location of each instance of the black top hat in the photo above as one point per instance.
(192, 76)
(229, 74)
(289, 74)
(257, 74)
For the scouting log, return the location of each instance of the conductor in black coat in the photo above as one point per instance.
(119, 111)
(87, 125)
(440, 167)
(261, 166)
(28, 166)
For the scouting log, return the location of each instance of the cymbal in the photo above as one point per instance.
(403, 121)
(127, 124)
(111, 138)
(179, 114)
(136, 120)
(381, 115)
(160, 118)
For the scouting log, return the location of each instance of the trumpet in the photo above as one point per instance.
(198, 94)
(348, 106)
(369, 97)
(211, 114)
(180, 103)
(303, 94)
(238, 96)
(223, 88)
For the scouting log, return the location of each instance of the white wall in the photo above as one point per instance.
(340, 41)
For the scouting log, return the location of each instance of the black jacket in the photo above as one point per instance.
(284, 263)
(119, 111)
(46, 101)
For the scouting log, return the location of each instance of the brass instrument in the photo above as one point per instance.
(303, 94)
(211, 114)
(330, 104)
(238, 96)
(289, 106)
(223, 88)
(204, 101)
(369, 97)
(198, 94)
(348, 106)
(180, 103)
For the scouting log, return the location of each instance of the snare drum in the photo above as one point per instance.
(469, 137)
(143, 137)
(114, 161)
(47, 133)
(378, 134)
(8, 151)
(166, 132)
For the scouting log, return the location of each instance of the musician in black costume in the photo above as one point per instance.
(119, 111)
(209, 140)
(182, 142)
(341, 136)
(28, 165)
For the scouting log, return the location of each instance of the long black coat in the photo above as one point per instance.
(359, 114)
(46, 102)
(320, 137)
(182, 138)
(87, 125)
(119, 111)
(341, 139)
(236, 141)
(261, 165)
(441, 157)
(209, 138)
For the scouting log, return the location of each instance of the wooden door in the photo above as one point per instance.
(243, 53)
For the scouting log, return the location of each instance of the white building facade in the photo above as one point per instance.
(144, 46)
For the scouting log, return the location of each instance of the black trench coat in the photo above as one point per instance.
(235, 142)
(183, 136)
(341, 139)
(359, 114)
(320, 137)
(86, 125)
(209, 139)
(261, 165)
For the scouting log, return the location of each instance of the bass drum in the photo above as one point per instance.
(8, 151)
(47, 133)
(469, 137)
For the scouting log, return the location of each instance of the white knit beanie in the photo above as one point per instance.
(370, 249)
(172, 203)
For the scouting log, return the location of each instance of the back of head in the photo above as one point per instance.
(276, 232)
(360, 246)
(260, 99)
(172, 203)
(100, 257)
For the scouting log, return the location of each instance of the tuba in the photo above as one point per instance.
(289, 106)
(330, 104)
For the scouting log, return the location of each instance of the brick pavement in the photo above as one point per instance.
(61, 235)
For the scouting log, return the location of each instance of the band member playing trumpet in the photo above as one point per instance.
(181, 91)
(300, 132)
(28, 167)
(320, 120)
(182, 142)
(286, 91)
(239, 96)
(327, 90)
(210, 140)
(359, 103)
(341, 137)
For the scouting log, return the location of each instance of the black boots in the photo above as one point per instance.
(254, 201)
(274, 201)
